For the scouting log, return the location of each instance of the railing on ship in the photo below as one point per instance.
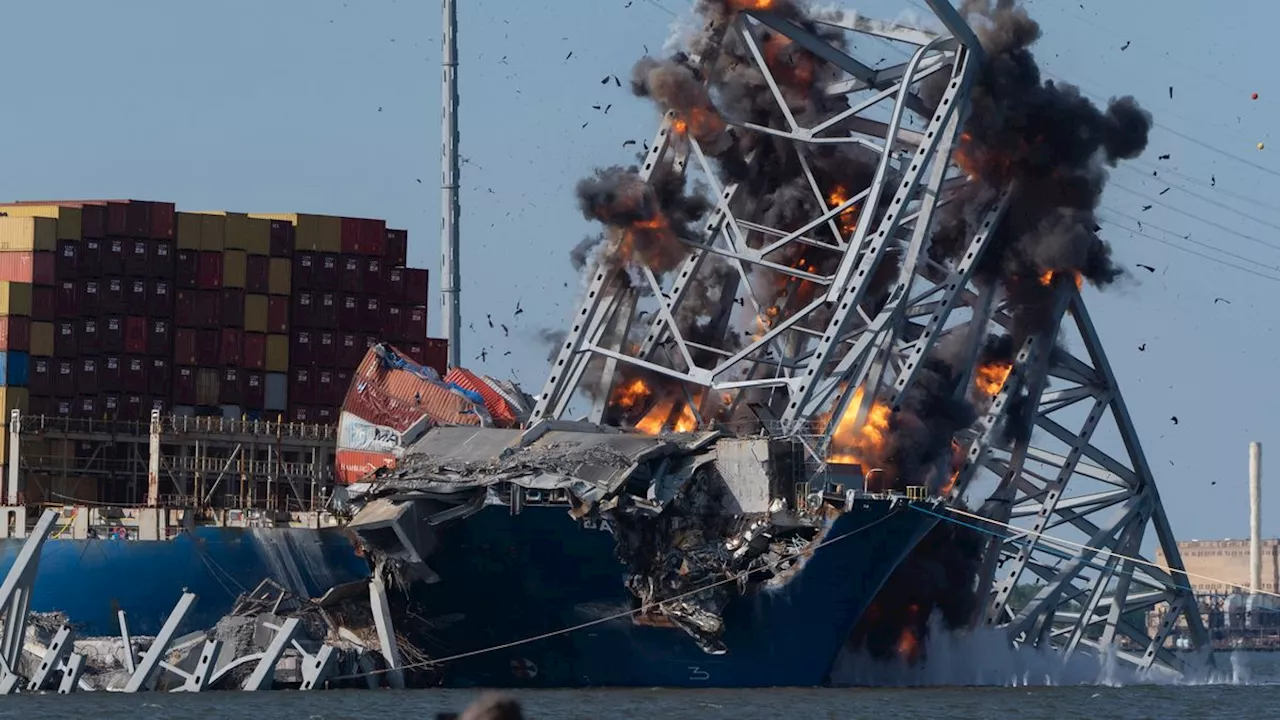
(179, 424)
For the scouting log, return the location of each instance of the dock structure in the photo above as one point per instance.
(175, 471)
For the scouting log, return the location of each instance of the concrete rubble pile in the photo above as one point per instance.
(687, 510)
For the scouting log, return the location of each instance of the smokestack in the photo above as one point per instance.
(1255, 517)
(450, 275)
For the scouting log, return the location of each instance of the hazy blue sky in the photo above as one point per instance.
(333, 107)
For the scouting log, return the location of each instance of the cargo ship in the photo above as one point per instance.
(570, 554)
(242, 331)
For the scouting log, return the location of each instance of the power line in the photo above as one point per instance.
(1211, 223)
(1129, 165)
(1228, 208)
(1198, 254)
(1186, 238)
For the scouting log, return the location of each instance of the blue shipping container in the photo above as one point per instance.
(15, 368)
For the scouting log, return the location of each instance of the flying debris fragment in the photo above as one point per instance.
(1261, 146)
(1254, 96)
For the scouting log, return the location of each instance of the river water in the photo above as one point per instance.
(1249, 688)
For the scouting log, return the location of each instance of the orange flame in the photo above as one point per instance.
(908, 645)
(990, 377)
(848, 218)
(790, 65)
(1046, 279)
(957, 463)
(629, 395)
(686, 422)
(700, 122)
(860, 445)
(740, 5)
(653, 421)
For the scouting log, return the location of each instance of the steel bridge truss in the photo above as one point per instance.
(1059, 482)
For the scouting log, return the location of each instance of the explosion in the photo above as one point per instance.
(991, 376)
(863, 445)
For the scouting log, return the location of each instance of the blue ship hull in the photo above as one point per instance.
(507, 578)
(90, 579)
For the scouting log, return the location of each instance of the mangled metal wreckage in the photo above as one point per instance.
(648, 538)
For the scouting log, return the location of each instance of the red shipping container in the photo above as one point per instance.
(350, 349)
(36, 268)
(135, 335)
(186, 268)
(111, 332)
(207, 345)
(351, 235)
(110, 373)
(229, 350)
(350, 273)
(160, 259)
(231, 388)
(117, 219)
(40, 377)
(277, 314)
(40, 405)
(158, 377)
(371, 314)
(136, 260)
(136, 293)
(303, 309)
(302, 385)
(135, 375)
(281, 238)
(130, 407)
(415, 286)
(393, 289)
(87, 377)
(184, 386)
(156, 404)
(392, 324)
(369, 341)
(184, 308)
(93, 220)
(109, 404)
(87, 407)
(325, 415)
(209, 271)
(62, 408)
(160, 298)
(113, 257)
(113, 296)
(300, 414)
(232, 310)
(326, 347)
(208, 308)
(160, 338)
(89, 297)
(44, 304)
(373, 281)
(88, 256)
(67, 296)
(325, 388)
(255, 391)
(349, 312)
(300, 349)
(185, 350)
(326, 272)
(304, 271)
(64, 263)
(374, 237)
(138, 217)
(162, 220)
(64, 379)
(255, 351)
(64, 339)
(341, 381)
(433, 354)
(415, 323)
(396, 251)
(15, 333)
(257, 274)
(325, 310)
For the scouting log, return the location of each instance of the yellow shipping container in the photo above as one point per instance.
(312, 233)
(257, 239)
(255, 313)
(234, 268)
(277, 353)
(67, 219)
(213, 232)
(188, 232)
(24, 234)
(42, 338)
(279, 276)
(236, 230)
(15, 298)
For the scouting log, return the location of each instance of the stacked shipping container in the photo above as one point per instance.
(111, 308)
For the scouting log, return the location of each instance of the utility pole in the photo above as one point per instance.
(450, 210)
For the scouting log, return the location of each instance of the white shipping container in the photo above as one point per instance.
(277, 392)
(231, 412)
